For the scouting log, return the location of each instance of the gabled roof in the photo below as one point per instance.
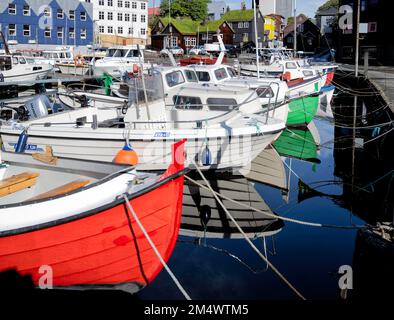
(301, 19)
(239, 15)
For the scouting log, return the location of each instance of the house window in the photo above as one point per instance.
(82, 16)
(110, 3)
(372, 27)
(190, 41)
(47, 12)
(174, 41)
(131, 30)
(143, 18)
(83, 33)
(240, 25)
(120, 30)
(60, 32)
(71, 33)
(71, 14)
(245, 37)
(134, 5)
(109, 16)
(12, 29)
(143, 5)
(120, 4)
(26, 30)
(47, 32)
(127, 17)
(246, 24)
(12, 8)
(26, 10)
(101, 15)
(143, 31)
(60, 14)
(101, 29)
(120, 16)
(101, 2)
(110, 29)
(134, 17)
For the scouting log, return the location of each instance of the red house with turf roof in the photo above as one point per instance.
(187, 33)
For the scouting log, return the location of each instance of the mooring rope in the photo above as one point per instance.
(173, 277)
(279, 274)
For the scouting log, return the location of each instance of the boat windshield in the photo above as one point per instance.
(221, 74)
(191, 76)
(132, 54)
(232, 72)
(203, 76)
(110, 52)
(174, 78)
(120, 53)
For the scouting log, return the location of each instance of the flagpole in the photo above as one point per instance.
(256, 39)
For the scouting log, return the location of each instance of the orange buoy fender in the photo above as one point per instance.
(126, 156)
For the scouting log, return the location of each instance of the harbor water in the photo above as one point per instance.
(336, 176)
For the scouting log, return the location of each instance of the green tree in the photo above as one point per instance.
(194, 9)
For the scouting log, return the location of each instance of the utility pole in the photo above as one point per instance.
(357, 38)
(169, 23)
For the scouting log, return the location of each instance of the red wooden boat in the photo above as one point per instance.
(87, 235)
(198, 60)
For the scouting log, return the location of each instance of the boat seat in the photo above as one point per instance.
(68, 187)
(17, 182)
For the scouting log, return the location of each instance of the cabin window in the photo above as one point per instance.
(307, 73)
(221, 74)
(12, 9)
(15, 60)
(5, 63)
(291, 65)
(12, 29)
(191, 76)
(132, 54)
(203, 76)
(68, 55)
(221, 104)
(174, 78)
(232, 72)
(187, 103)
(22, 60)
(265, 92)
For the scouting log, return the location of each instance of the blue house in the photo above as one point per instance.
(47, 22)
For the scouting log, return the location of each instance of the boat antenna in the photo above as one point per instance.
(143, 81)
(6, 48)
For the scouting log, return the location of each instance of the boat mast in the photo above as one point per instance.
(295, 27)
(256, 38)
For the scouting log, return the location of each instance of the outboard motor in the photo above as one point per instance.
(38, 107)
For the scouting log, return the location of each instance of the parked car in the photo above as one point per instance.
(198, 50)
(176, 51)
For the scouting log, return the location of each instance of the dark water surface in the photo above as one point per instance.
(343, 186)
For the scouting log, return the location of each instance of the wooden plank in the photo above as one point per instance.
(74, 185)
(17, 182)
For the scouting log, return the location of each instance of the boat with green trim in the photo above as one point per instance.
(302, 110)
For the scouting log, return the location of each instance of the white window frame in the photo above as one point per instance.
(71, 14)
(240, 25)
(60, 14)
(71, 34)
(101, 15)
(143, 6)
(127, 4)
(47, 32)
(246, 25)
(83, 34)
(120, 3)
(143, 31)
(110, 3)
(120, 16)
(12, 9)
(101, 2)
(127, 17)
(60, 31)
(82, 15)
(110, 28)
(26, 12)
(133, 17)
(24, 34)
(101, 29)
(143, 18)
(110, 16)
(133, 5)
(120, 30)
(14, 30)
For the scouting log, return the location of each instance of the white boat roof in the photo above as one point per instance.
(129, 47)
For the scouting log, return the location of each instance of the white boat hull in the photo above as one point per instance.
(73, 69)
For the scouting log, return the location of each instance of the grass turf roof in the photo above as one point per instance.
(239, 15)
(188, 26)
